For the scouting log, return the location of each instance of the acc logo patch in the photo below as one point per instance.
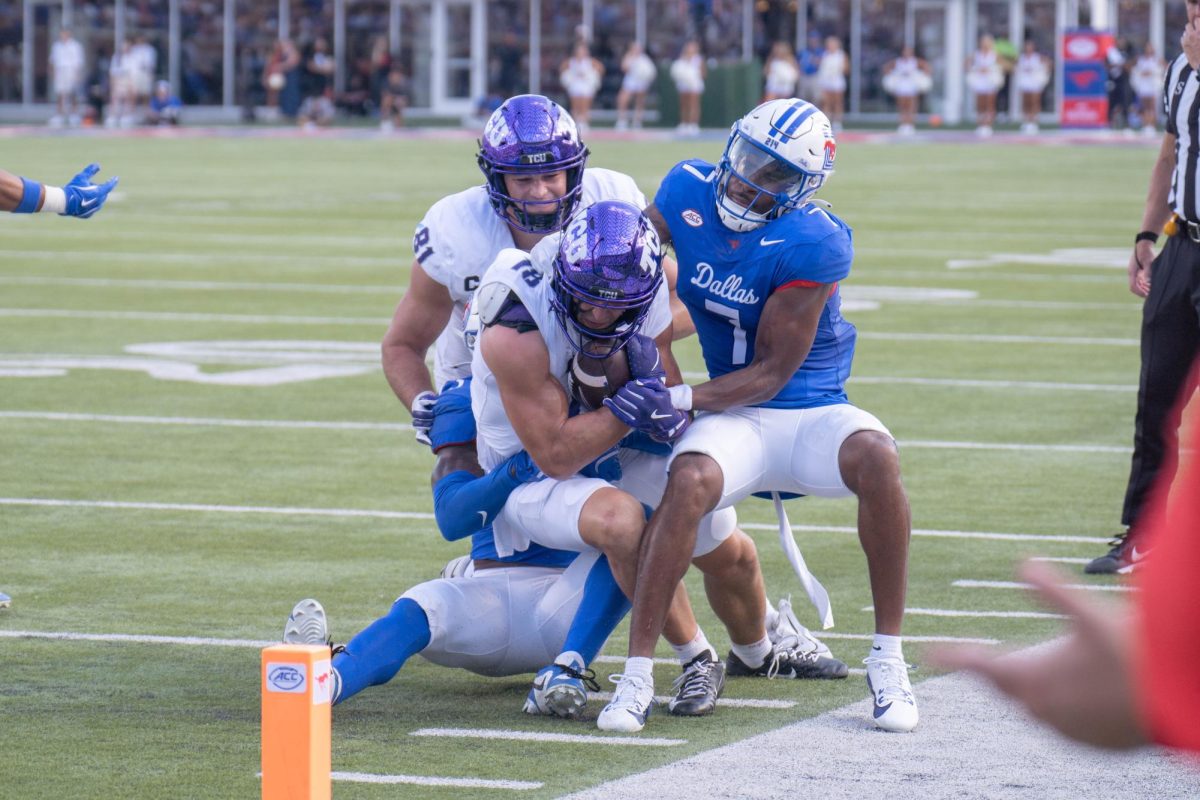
(288, 678)
(693, 218)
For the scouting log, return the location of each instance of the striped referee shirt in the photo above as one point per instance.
(1181, 106)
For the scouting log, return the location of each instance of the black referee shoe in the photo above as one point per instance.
(1123, 558)
(698, 687)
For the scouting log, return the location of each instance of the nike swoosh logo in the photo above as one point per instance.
(89, 203)
(881, 710)
(483, 519)
(769, 242)
(656, 415)
(1137, 555)
(876, 647)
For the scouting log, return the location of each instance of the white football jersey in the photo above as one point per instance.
(461, 236)
(528, 276)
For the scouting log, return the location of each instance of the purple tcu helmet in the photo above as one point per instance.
(608, 257)
(531, 134)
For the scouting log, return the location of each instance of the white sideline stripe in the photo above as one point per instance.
(123, 283)
(1005, 537)
(357, 512)
(137, 638)
(92, 256)
(421, 780)
(179, 316)
(285, 510)
(533, 736)
(1062, 559)
(946, 612)
(208, 421)
(61, 416)
(730, 702)
(621, 660)
(1085, 587)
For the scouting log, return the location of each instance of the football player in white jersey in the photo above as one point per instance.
(759, 266)
(534, 164)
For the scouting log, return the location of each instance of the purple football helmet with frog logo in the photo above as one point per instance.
(609, 257)
(532, 135)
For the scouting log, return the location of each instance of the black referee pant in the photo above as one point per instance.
(1170, 343)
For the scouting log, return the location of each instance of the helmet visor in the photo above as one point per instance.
(764, 172)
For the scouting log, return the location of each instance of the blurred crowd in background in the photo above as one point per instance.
(599, 68)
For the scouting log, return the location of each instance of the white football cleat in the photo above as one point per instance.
(895, 707)
(307, 624)
(631, 704)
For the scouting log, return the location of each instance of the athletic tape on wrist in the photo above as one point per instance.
(55, 202)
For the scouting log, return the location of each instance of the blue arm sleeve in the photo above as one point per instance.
(463, 503)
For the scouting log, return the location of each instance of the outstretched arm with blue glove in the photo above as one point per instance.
(79, 198)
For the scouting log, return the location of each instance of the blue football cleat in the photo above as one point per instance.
(560, 690)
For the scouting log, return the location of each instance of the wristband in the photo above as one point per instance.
(681, 396)
(1146, 236)
(31, 195)
(55, 202)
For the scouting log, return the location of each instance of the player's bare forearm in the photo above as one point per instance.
(12, 191)
(785, 335)
(1157, 211)
(537, 405)
(418, 320)
(669, 364)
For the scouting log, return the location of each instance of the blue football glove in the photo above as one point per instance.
(644, 362)
(607, 467)
(646, 406)
(422, 415)
(522, 469)
(85, 198)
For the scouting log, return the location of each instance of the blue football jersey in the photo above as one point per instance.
(725, 278)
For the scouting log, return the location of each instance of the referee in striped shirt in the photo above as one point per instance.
(1171, 285)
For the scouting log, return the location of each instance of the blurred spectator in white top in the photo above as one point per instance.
(144, 60)
(580, 75)
(1147, 81)
(688, 71)
(1031, 75)
(67, 70)
(639, 72)
(780, 73)
(121, 87)
(907, 78)
(317, 108)
(831, 81)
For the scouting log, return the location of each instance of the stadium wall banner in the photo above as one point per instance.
(1084, 77)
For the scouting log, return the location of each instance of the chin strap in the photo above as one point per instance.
(816, 592)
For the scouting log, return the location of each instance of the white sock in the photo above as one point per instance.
(636, 666)
(753, 655)
(885, 646)
(687, 652)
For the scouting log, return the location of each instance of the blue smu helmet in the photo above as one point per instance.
(608, 257)
(531, 134)
(784, 150)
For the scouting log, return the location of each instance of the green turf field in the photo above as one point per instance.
(237, 245)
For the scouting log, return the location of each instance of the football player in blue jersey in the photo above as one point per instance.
(758, 268)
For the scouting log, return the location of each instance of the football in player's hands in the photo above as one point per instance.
(590, 380)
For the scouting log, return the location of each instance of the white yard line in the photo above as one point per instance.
(368, 513)
(222, 258)
(1062, 559)
(966, 583)
(179, 316)
(199, 507)
(996, 338)
(1053, 386)
(217, 422)
(948, 612)
(534, 736)
(137, 638)
(867, 637)
(205, 286)
(422, 780)
(62, 416)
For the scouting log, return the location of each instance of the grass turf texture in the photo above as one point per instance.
(92, 719)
